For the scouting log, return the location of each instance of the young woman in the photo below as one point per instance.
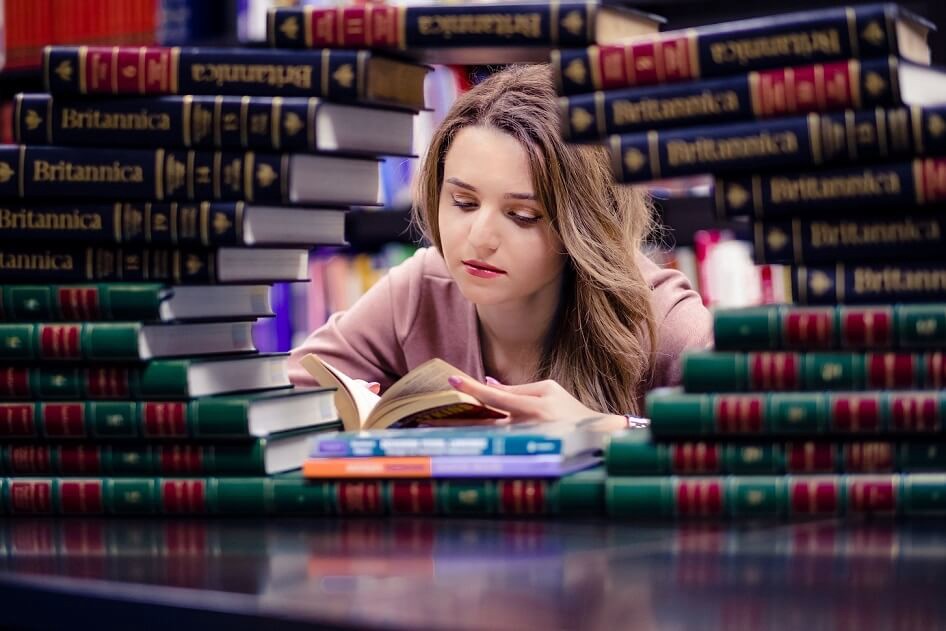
(535, 284)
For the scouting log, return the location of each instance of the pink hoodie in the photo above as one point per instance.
(416, 312)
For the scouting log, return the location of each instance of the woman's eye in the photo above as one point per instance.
(464, 204)
(526, 219)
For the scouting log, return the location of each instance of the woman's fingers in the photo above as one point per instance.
(514, 404)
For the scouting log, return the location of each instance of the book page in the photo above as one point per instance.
(431, 376)
(354, 401)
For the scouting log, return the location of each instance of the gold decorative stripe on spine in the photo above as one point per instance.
(83, 52)
(820, 88)
(852, 32)
(89, 264)
(244, 120)
(325, 67)
(117, 222)
(401, 27)
(616, 161)
(916, 116)
(787, 283)
(553, 23)
(796, 242)
(307, 25)
(176, 265)
(894, 66)
(850, 135)
(21, 172)
(600, 114)
(46, 52)
(591, 17)
(594, 55)
(186, 116)
(653, 148)
(217, 122)
(759, 238)
(189, 176)
(216, 174)
(175, 69)
(721, 210)
(757, 195)
(792, 95)
(814, 134)
(693, 48)
(284, 178)
(839, 282)
(340, 36)
(311, 110)
(754, 95)
(881, 118)
(271, 28)
(854, 74)
(238, 219)
(159, 174)
(556, 60)
(175, 214)
(113, 69)
(141, 69)
(248, 160)
(148, 220)
(205, 223)
(919, 185)
(369, 36)
(275, 116)
(361, 66)
(802, 278)
(659, 62)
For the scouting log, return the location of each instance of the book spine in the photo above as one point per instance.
(129, 70)
(294, 495)
(874, 327)
(801, 240)
(103, 301)
(784, 497)
(70, 342)
(820, 139)
(23, 264)
(786, 371)
(37, 459)
(827, 87)
(138, 174)
(433, 467)
(203, 224)
(797, 413)
(203, 122)
(223, 418)
(634, 457)
(524, 445)
(677, 56)
(864, 283)
(558, 24)
(159, 379)
(873, 188)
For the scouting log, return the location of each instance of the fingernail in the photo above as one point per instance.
(503, 421)
(492, 381)
(454, 381)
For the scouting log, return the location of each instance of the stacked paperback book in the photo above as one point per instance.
(154, 196)
(831, 404)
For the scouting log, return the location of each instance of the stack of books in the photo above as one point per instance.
(154, 195)
(828, 146)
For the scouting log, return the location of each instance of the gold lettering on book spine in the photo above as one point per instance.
(802, 44)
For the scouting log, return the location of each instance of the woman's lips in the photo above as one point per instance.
(481, 269)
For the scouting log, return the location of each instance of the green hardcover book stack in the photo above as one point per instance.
(832, 155)
(144, 216)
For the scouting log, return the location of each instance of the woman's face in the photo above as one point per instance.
(495, 235)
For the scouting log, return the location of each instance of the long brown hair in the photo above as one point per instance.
(599, 348)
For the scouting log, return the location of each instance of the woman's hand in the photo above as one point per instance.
(538, 401)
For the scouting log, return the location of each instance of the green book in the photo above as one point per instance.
(121, 341)
(220, 417)
(158, 379)
(133, 301)
(780, 497)
(675, 414)
(277, 453)
(291, 494)
(707, 371)
(847, 327)
(637, 454)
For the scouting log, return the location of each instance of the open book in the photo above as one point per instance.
(421, 397)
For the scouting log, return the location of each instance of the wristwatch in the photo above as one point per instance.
(634, 422)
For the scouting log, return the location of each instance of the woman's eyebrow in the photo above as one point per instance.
(470, 187)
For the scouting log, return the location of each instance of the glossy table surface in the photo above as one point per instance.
(471, 574)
